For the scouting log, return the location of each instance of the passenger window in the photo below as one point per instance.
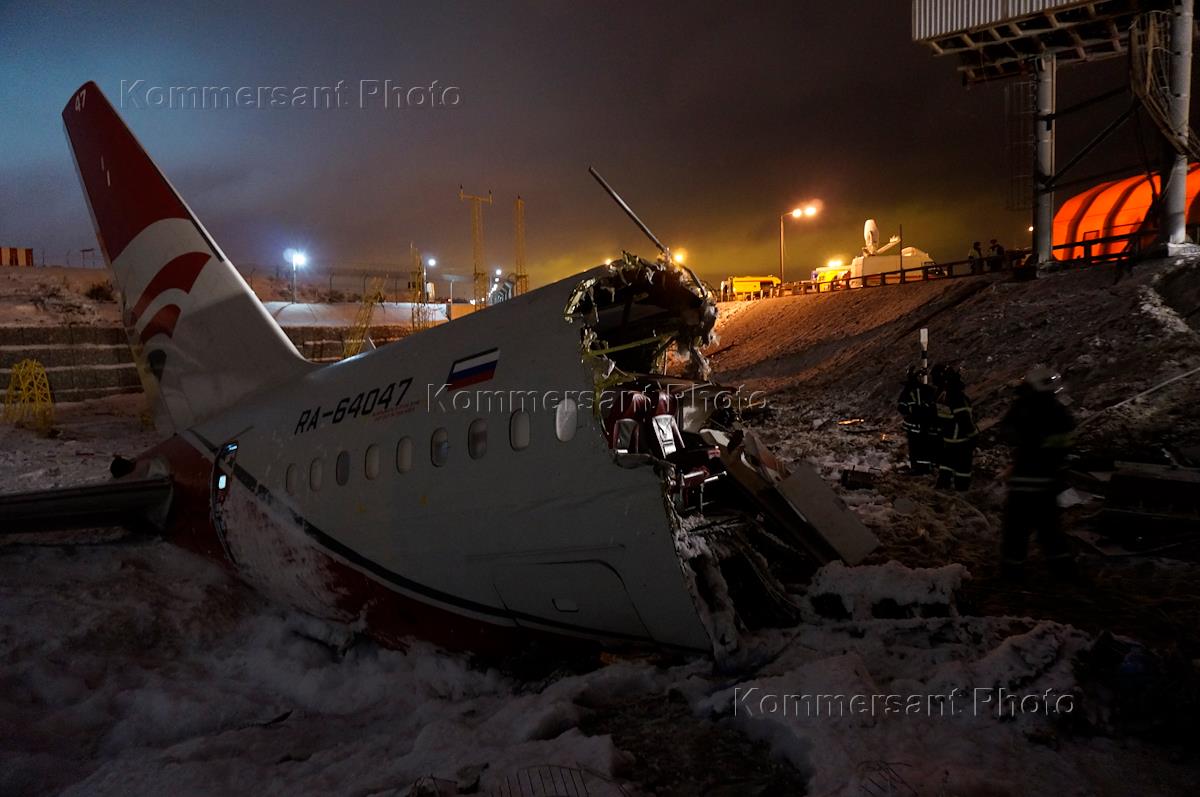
(404, 455)
(439, 447)
(518, 430)
(371, 462)
(315, 475)
(341, 468)
(565, 418)
(290, 478)
(477, 438)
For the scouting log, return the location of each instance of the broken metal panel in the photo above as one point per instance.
(826, 515)
(1147, 504)
(130, 501)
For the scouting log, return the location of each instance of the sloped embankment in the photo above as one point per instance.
(848, 351)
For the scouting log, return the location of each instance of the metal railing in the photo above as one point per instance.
(1113, 249)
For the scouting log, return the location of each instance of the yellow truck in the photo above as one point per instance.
(734, 288)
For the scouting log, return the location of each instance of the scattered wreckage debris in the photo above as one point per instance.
(887, 591)
(1147, 508)
(138, 498)
(857, 479)
(750, 530)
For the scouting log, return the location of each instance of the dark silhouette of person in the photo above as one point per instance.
(995, 256)
(975, 258)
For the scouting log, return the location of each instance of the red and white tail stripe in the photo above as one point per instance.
(198, 330)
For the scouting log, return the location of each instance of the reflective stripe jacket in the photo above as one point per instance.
(956, 417)
(918, 407)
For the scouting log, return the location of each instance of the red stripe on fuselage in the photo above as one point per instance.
(180, 273)
(392, 618)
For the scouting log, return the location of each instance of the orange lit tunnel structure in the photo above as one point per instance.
(1115, 208)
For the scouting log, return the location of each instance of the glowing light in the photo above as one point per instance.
(679, 256)
(835, 262)
(810, 210)
(499, 272)
(299, 259)
(431, 262)
(1031, 228)
(797, 212)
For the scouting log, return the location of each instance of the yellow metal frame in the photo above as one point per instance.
(28, 401)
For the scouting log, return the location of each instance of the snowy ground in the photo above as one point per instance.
(137, 668)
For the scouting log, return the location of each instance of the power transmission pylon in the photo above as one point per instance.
(480, 276)
(522, 279)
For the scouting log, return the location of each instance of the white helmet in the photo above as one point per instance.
(1044, 380)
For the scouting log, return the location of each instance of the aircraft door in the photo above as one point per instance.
(224, 474)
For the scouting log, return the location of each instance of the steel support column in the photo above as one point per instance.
(1044, 70)
(1174, 212)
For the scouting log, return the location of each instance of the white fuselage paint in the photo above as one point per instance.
(555, 536)
(219, 315)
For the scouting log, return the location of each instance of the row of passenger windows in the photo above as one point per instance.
(565, 422)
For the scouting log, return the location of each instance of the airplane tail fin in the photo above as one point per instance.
(201, 338)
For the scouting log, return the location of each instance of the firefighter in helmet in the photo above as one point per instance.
(957, 422)
(918, 408)
(1040, 430)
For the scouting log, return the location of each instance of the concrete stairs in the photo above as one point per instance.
(88, 362)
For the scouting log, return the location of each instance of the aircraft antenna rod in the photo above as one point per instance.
(628, 211)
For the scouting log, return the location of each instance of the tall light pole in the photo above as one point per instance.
(298, 260)
(804, 211)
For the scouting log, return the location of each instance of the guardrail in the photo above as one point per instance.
(1114, 249)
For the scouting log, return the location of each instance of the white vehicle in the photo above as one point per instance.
(517, 473)
(866, 268)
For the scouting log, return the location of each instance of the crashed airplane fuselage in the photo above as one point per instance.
(521, 471)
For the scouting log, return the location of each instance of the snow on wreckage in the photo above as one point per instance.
(749, 532)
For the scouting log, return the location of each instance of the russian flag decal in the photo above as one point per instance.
(474, 369)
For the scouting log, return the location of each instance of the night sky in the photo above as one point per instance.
(710, 118)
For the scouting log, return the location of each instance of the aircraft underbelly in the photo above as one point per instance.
(577, 594)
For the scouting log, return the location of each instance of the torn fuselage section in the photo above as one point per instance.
(749, 530)
(637, 310)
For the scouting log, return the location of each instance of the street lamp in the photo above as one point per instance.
(800, 212)
(298, 260)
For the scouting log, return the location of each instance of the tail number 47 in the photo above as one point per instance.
(80, 99)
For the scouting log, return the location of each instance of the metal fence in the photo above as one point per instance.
(1115, 249)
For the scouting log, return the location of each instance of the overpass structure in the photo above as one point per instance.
(1031, 39)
